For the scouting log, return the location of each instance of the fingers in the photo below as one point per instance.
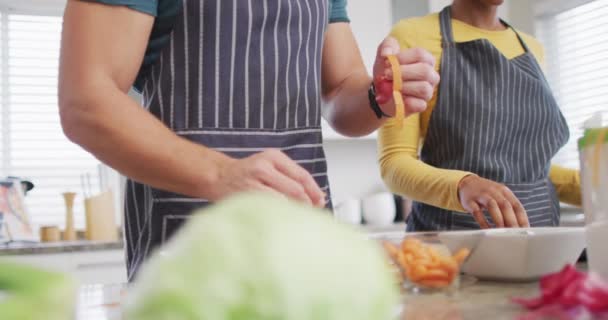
(413, 105)
(508, 214)
(416, 72)
(418, 89)
(520, 212)
(477, 213)
(490, 204)
(389, 46)
(295, 172)
(416, 55)
(284, 185)
(504, 208)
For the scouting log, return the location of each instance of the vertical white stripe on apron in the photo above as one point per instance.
(148, 221)
(509, 113)
(232, 63)
(494, 137)
(301, 40)
(485, 98)
(492, 94)
(503, 114)
(537, 124)
(489, 102)
(518, 145)
(451, 100)
(172, 94)
(186, 67)
(276, 66)
(316, 75)
(160, 91)
(247, 48)
(262, 32)
(288, 72)
(475, 121)
(128, 230)
(218, 26)
(543, 102)
(514, 102)
(136, 200)
(306, 95)
(150, 94)
(449, 96)
(200, 63)
(526, 129)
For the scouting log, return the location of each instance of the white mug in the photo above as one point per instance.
(379, 209)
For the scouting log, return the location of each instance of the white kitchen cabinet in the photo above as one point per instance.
(88, 267)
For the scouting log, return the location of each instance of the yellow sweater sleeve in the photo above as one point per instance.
(567, 183)
(401, 169)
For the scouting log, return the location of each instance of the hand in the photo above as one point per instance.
(418, 74)
(477, 193)
(270, 171)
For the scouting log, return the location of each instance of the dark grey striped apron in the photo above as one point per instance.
(497, 118)
(239, 76)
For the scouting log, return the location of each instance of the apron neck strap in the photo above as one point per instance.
(445, 24)
(447, 33)
(521, 40)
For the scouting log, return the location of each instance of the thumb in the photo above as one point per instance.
(389, 46)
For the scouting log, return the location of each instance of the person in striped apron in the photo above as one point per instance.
(233, 93)
(489, 133)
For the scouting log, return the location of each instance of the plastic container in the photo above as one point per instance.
(420, 286)
(593, 150)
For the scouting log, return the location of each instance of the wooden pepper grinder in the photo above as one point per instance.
(70, 232)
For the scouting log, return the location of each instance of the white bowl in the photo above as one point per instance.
(517, 254)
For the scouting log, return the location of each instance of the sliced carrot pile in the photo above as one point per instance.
(424, 265)
(397, 85)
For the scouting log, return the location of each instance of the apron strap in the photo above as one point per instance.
(445, 24)
(521, 40)
(447, 33)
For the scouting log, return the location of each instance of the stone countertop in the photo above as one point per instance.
(12, 249)
(474, 300)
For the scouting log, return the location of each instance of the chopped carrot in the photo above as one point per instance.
(461, 255)
(435, 274)
(391, 249)
(397, 87)
(409, 258)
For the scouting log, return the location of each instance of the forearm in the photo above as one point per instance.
(405, 174)
(120, 133)
(348, 110)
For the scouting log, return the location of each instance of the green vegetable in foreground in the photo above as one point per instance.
(262, 257)
(33, 294)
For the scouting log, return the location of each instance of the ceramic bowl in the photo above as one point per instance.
(517, 254)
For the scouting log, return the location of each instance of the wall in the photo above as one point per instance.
(371, 22)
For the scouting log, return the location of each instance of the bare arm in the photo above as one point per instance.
(345, 81)
(101, 51)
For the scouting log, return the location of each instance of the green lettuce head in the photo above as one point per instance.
(263, 257)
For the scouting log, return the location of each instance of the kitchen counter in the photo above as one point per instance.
(13, 249)
(475, 300)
